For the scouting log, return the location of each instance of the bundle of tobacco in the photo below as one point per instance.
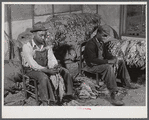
(13, 74)
(135, 54)
(133, 51)
(72, 28)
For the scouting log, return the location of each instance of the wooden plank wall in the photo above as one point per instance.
(12, 15)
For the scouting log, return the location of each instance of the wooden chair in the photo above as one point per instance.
(83, 66)
(29, 85)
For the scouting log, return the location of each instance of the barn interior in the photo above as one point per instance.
(72, 24)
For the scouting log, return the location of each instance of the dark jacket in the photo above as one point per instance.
(92, 53)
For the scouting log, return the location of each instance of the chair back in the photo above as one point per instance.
(20, 58)
(82, 47)
(19, 46)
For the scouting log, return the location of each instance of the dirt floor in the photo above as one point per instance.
(135, 97)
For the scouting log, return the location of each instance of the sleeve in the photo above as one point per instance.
(29, 58)
(108, 55)
(51, 59)
(90, 50)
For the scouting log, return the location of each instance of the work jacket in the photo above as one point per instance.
(96, 53)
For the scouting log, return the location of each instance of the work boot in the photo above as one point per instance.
(44, 103)
(114, 100)
(52, 103)
(68, 98)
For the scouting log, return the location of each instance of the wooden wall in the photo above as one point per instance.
(110, 15)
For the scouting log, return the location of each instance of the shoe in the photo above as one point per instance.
(115, 101)
(44, 103)
(73, 97)
(131, 86)
(68, 98)
(52, 103)
(59, 103)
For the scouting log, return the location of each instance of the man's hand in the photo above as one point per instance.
(109, 38)
(57, 66)
(51, 71)
(112, 61)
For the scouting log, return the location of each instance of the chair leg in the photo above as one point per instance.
(36, 93)
(24, 87)
(97, 78)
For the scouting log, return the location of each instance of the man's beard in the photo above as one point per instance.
(43, 43)
(39, 41)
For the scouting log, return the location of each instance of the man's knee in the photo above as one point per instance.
(103, 68)
(43, 78)
(108, 67)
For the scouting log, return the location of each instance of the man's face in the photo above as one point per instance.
(39, 36)
(99, 36)
(50, 39)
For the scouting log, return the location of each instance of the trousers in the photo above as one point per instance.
(107, 74)
(45, 85)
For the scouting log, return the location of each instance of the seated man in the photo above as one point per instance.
(98, 59)
(36, 62)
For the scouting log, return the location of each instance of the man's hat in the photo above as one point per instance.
(100, 29)
(38, 28)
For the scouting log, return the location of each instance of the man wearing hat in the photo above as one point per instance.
(98, 59)
(36, 60)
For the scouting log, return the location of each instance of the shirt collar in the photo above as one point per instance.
(33, 43)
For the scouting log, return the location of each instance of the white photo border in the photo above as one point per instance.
(75, 111)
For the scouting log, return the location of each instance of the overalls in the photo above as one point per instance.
(44, 86)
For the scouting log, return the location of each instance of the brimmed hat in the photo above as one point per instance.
(100, 29)
(38, 28)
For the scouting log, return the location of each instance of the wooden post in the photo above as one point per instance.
(82, 8)
(70, 9)
(10, 30)
(124, 17)
(142, 15)
(53, 10)
(33, 14)
(9, 20)
(96, 9)
(122, 23)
